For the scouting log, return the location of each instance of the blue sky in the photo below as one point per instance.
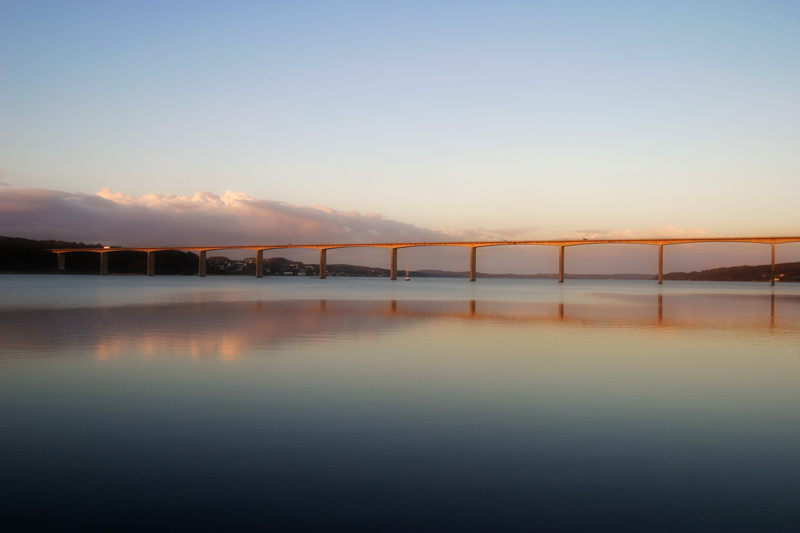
(537, 120)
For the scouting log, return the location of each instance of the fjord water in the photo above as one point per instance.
(164, 403)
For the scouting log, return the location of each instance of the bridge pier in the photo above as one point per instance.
(259, 263)
(201, 271)
(103, 263)
(151, 263)
(472, 261)
(62, 261)
(393, 266)
(561, 264)
(772, 274)
(323, 263)
(660, 263)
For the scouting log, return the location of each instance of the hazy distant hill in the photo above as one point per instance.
(465, 274)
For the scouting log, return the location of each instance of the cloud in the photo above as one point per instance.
(666, 232)
(511, 234)
(202, 219)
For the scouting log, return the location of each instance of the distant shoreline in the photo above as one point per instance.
(750, 274)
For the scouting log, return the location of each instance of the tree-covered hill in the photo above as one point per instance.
(783, 271)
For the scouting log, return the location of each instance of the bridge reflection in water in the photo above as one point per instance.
(393, 247)
(227, 331)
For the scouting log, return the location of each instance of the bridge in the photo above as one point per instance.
(394, 246)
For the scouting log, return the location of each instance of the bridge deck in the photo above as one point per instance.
(467, 244)
(394, 246)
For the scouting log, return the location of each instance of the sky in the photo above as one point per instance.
(194, 123)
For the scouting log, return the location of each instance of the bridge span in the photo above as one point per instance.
(394, 246)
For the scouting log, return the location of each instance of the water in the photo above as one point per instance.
(164, 403)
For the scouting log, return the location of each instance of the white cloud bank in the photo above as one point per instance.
(203, 219)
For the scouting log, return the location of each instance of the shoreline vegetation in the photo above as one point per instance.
(28, 256)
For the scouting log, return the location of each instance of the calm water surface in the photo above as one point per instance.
(164, 403)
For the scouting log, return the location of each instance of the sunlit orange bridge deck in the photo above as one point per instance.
(394, 246)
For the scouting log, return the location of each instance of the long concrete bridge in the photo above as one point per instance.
(394, 246)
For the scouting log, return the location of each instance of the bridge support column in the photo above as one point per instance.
(103, 263)
(561, 264)
(772, 272)
(151, 263)
(62, 261)
(660, 263)
(201, 271)
(323, 263)
(472, 261)
(393, 266)
(259, 263)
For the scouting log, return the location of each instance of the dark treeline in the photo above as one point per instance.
(32, 256)
(26, 255)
